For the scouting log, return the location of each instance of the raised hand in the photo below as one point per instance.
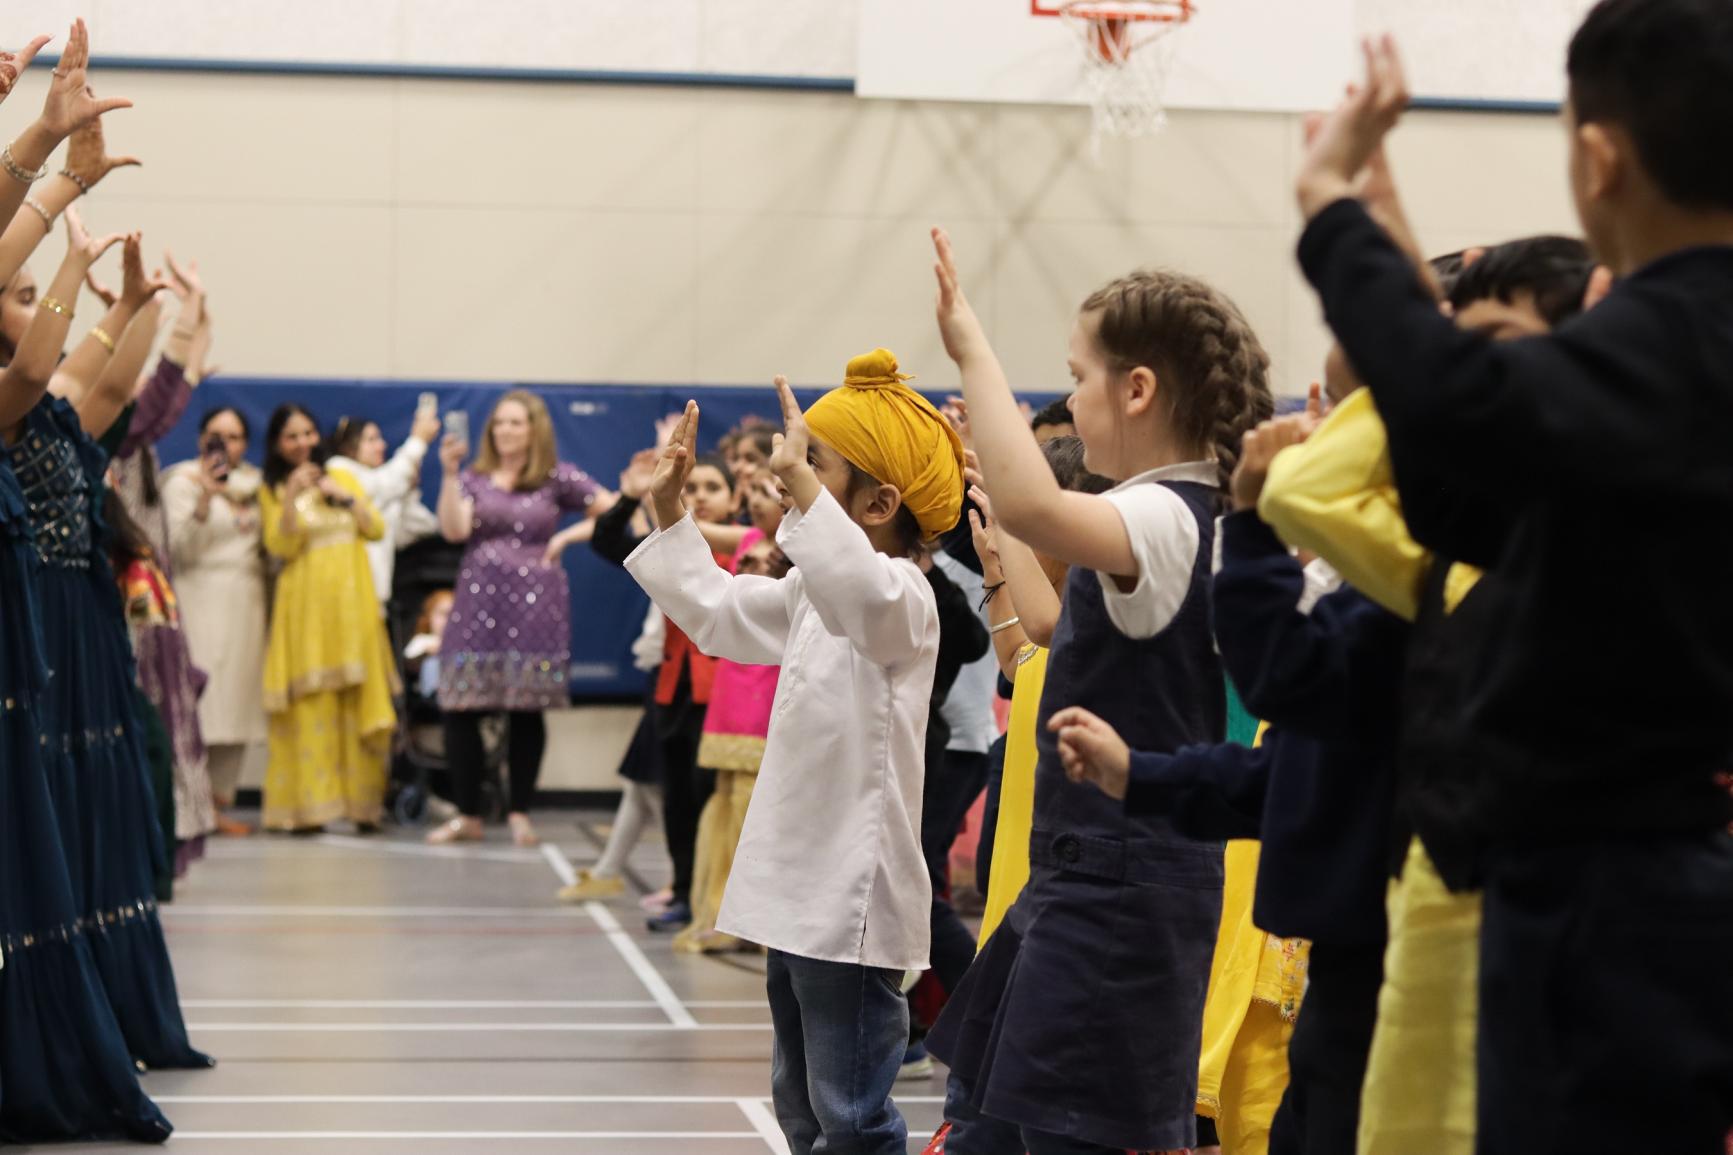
(425, 426)
(640, 473)
(764, 504)
(789, 448)
(87, 159)
(1345, 140)
(986, 539)
(956, 411)
(958, 326)
(136, 287)
(13, 64)
(1092, 751)
(673, 467)
(451, 452)
(70, 103)
(104, 293)
(80, 247)
(186, 277)
(1259, 450)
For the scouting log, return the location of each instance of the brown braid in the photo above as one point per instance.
(1208, 363)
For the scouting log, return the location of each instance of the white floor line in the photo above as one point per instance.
(690, 1024)
(647, 974)
(503, 1100)
(421, 850)
(293, 910)
(562, 865)
(459, 1004)
(193, 1136)
(764, 1123)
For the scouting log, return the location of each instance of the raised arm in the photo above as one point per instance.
(456, 511)
(70, 109)
(156, 405)
(1076, 528)
(26, 379)
(82, 371)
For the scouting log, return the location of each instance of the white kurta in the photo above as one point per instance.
(392, 489)
(219, 569)
(829, 865)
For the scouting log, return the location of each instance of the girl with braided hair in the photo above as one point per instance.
(1079, 1024)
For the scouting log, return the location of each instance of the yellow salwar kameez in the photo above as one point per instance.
(329, 679)
(1336, 495)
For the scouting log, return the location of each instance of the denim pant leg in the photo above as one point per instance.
(788, 1074)
(854, 1028)
(973, 1133)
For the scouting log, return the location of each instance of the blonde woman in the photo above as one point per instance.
(507, 647)
(329, 671)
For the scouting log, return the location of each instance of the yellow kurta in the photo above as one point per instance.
(1011, 833)
(329, 677)
(1336, 495)
(1255, 986)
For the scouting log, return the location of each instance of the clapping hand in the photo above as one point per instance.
(1092, 751)
(1345, 141)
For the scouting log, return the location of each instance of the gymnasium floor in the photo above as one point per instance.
(384, 997)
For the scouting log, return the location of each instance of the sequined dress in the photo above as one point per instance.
(508, 645)
(90, 740)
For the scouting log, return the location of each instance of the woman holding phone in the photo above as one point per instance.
(329, 670)
(212, 504)
(358, 448)
(507, 646)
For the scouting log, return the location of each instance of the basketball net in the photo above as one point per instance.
(1128, 48)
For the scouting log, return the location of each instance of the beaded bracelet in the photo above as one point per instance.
(41, 211)
(76, 179)
(18, 172)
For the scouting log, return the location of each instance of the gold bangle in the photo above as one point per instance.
(107, 341)
(56, 305)
(41, 211)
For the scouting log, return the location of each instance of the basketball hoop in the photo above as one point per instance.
(1127, 52)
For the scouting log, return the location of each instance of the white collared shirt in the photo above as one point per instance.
(1164, 539)
(829, 865)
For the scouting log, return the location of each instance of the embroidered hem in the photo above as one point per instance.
(741, 752)
(317, 682)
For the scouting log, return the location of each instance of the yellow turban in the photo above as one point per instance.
(886, 429)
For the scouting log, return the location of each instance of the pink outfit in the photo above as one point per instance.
(740, 701)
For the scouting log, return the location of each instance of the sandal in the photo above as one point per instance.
(522, 833)
(459, 829)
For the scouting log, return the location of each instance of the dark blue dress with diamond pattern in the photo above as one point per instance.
(91, 743)
(65, 1070)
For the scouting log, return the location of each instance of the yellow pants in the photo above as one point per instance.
(718, 837)
(323, 765)
(1254, 1080)
(1419, 1094)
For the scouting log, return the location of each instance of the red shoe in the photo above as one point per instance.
(937, 1146)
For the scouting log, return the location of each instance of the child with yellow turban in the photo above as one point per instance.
(870, 472)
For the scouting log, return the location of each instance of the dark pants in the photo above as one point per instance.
(1041, 1143)
(1320, 1112)
(685, 790)
(526, 741)
(946, 798)
(1606, 998)
(840, 1030)
(990, 816)
(973, 1133)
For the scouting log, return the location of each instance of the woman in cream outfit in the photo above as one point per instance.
(214, 534)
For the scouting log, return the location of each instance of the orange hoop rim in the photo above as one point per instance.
(1130, 11)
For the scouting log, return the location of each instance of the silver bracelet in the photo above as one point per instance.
(1005, 625)
(47, 217)
(76, 179)
(18, 172)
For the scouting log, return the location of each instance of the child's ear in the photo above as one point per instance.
(880, 505)
(1140, 387)
(1604, 160)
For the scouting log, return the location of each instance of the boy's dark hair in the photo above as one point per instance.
(717, 462)
(1214, 370)
(908, 529)
(1065, 459)
(1663, 71)
(1053, 413)
(761, 433)
(1555, 269)
(1447, 268)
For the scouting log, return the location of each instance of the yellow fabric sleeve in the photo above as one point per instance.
(277, 543)
(352, 486)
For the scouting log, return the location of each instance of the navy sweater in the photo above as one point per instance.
(1601, 696)
(1320, 789)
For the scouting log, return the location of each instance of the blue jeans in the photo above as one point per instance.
(840, 1032)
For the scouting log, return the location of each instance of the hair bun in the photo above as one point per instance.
(874, 370)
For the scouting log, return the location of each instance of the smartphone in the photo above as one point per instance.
(216, 456)
(457, 425)
(428, 404)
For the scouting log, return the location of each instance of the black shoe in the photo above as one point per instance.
(675, 916)
(365, 829)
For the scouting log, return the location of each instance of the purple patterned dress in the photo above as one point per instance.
(508, 644)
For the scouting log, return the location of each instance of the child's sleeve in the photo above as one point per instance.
(1164, 539)
(884, 607)
(1336, 496)
(1213, 793)
(744, 619)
